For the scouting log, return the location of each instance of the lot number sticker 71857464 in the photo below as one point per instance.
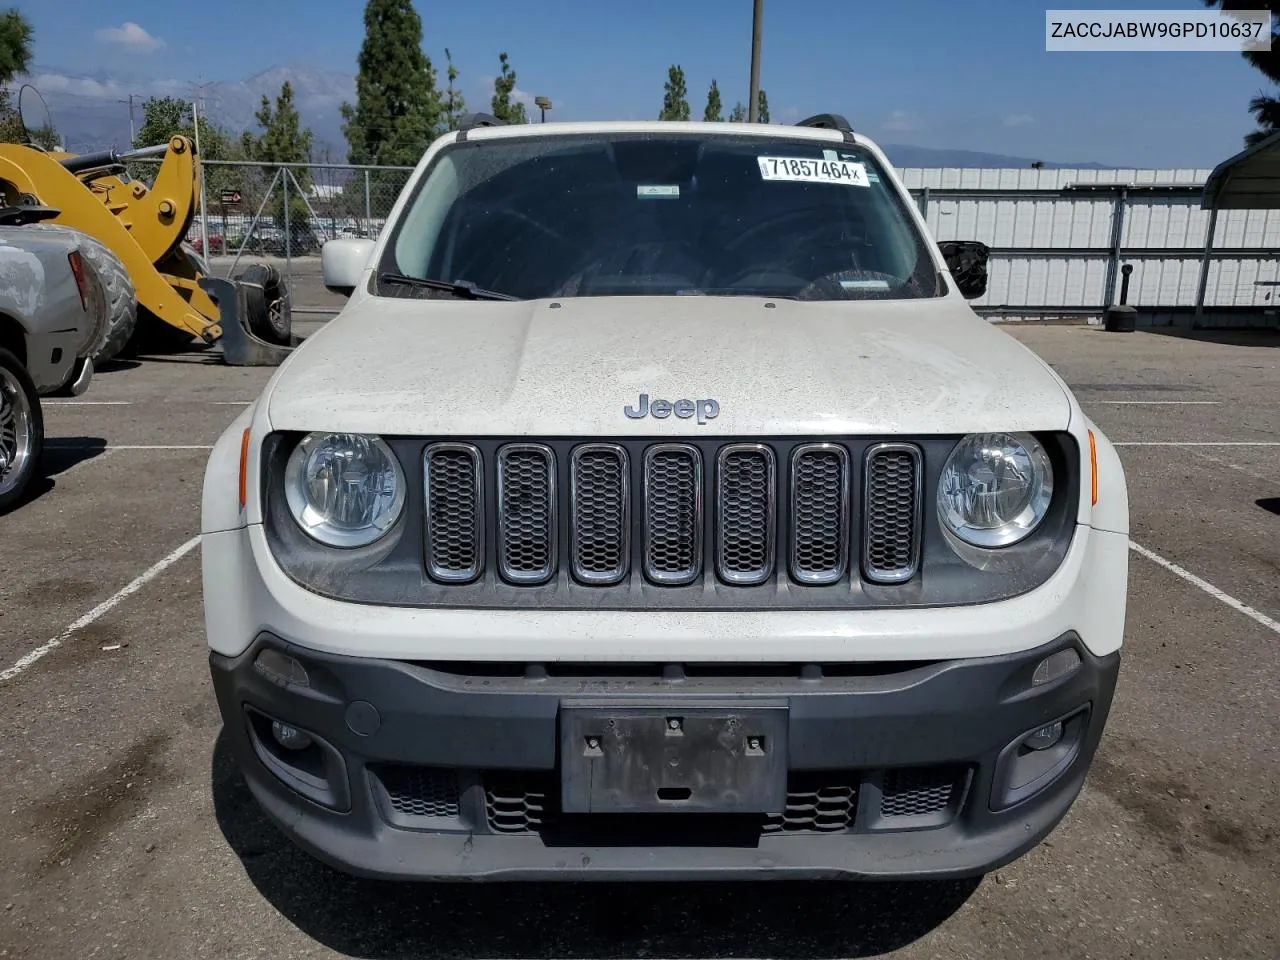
(813, 171)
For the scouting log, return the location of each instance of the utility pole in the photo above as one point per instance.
(204, 220)
(132, 130)
(753, 107)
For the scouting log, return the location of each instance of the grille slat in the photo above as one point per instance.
(453, 500)
(820, 513)
(673, 513)
(600, 508)
(526, 513)
(891, 508)
(747, 502)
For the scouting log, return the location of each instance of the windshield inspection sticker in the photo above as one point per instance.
(658, 191)
(799, 169)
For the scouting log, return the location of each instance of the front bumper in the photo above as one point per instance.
(434, 771)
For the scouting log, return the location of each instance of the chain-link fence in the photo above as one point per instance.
(288, 211)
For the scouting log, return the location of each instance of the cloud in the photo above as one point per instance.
(900, 121)
(789, 115)
(1018, 119)
(129, 37)
(77, 86)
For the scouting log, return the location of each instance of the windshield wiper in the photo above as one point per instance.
(459, 288)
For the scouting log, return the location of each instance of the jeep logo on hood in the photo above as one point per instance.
(684, 409)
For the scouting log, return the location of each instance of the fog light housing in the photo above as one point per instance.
(1042, 739)
(291, 738)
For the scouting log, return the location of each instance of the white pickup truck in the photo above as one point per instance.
(53, 319)
(659, 507)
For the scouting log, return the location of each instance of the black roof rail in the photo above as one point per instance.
(828, 121)
(469, 121)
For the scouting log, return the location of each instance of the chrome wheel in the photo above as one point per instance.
(15, 431)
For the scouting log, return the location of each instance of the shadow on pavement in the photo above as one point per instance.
(60, 454)
(371, 919)
(1270, 504)
(1231, 338)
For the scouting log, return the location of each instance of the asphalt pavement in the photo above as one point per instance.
(126, 833)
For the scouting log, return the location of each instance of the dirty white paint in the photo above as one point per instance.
(462, 368)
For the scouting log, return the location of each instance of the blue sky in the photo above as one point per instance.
(967, 76)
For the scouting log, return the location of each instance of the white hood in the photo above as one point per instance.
(475, 368)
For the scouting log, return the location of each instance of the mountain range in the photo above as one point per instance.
(92, 112)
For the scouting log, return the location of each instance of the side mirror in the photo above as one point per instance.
(342, 262)
(967, 261)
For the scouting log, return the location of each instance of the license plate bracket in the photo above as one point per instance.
(620, 757)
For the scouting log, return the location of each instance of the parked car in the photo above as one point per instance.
(53, 319)
(658, 507)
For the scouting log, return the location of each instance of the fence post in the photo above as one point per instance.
(368, 206)
(288, 246)
(1117, 234)
(1203, 286)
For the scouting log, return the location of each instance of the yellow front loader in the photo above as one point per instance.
(145, 228)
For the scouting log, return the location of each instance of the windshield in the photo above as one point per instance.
(600, 215)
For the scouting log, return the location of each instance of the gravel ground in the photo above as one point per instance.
(127, 833)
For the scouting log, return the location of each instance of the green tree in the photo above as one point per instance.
(398, 111)
(283, 140)
(15, 57)
(165, 117)
(16, 38)
(454, 104)
(738, 114)
(504, 85)
(762, 108)
(1265, 105)
(675, 96)
(712, 113)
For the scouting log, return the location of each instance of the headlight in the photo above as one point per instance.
(344, 489)
(995, 488)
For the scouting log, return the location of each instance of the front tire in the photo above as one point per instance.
(21, 430)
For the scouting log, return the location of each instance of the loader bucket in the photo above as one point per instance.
(241, 346)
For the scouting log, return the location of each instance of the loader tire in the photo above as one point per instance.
(266, 304)
(21, 430)
(122, 303)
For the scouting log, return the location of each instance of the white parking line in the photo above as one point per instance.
(1209, 588)
(1159, 403)
(81, 445)
(104, 607)
(85, 403)
(1196, 443)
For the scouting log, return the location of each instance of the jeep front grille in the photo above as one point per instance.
(600, 508)
(674, 513)
(746, 500)
(891, 507)
(819, 513)
(526, 512)
(453, 499)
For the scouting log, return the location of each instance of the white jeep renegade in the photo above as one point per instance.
(658, 507)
